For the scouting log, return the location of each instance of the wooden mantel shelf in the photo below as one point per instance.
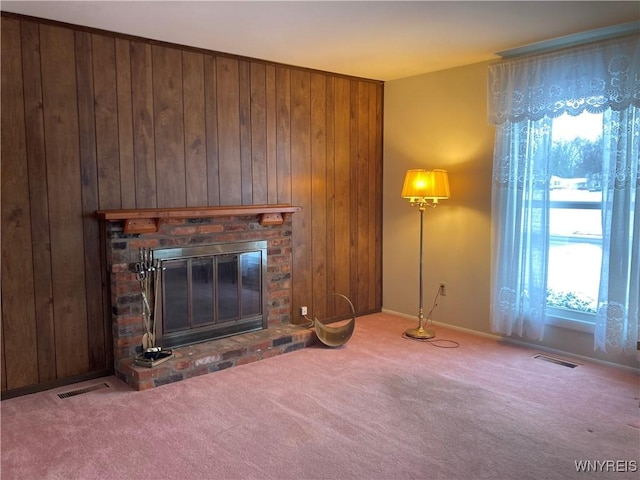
(147, 220)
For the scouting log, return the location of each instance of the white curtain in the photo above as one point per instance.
(520, 211)
(618, 299)
(524, 96)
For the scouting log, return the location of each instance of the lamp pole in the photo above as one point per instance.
(421, 332)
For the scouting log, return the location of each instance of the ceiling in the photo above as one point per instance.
(382, 40)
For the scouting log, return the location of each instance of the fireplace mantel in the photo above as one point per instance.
(147, 220)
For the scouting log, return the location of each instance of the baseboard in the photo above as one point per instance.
(500, 338)
(40, 387)
(477, 333)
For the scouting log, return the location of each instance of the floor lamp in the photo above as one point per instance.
(424, 188)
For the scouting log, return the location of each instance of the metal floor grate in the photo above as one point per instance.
(557, 361)
(80, 391)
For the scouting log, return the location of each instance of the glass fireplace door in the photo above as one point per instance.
(211, 296)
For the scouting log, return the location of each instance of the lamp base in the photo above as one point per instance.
(420, 333)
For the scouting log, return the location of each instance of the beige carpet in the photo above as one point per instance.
(380, 407)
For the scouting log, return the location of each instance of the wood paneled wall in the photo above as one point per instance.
(93, 120)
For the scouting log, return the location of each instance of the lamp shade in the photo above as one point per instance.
(426, 184)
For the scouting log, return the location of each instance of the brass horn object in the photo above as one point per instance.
(336, 336)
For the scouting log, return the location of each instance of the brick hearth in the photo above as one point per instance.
(123, 252)
(208, 357)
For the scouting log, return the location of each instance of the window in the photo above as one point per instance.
(575, 218)
(566, 192)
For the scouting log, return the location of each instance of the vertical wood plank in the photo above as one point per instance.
(230, 166)
(342, 186)
(106, 121)
(380, 173)
(38, 201)
(362, 191)
(244, 84)
(195, 142)
(318, 139)
(283, 133)
(331, 197)
(86, 118)
(125, 124)
(355, 247)
(302, 282)
(65, 199)
(168, 113)
(143, 127)
(3, 360)
(260, 179)
(94, 114)
(18, 309)
(271, 135)
(375, 197)
(211, 119)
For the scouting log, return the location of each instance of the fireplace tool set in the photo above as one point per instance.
(148, 275)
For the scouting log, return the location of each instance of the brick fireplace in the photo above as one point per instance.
(165, 230)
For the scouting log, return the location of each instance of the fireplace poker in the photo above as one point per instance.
(157, 271)
(144, 270)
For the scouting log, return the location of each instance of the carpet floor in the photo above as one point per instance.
(380, 407)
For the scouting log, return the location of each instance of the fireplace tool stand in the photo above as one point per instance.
(148, 275)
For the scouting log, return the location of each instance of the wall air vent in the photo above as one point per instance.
(557, 361)
(80, 391)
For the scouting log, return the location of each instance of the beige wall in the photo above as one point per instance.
(439, 120)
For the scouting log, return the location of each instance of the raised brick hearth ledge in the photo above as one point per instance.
(208, 357)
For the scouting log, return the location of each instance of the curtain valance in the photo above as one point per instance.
(592, 77)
